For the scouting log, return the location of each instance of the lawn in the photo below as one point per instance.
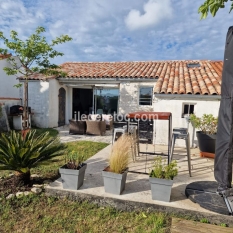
(40, 213)
(48, 214)
(49, 170)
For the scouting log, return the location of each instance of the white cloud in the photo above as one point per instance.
(155, 12)
(99, 32)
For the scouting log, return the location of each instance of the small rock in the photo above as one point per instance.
(38, 185)
(36, 190)
(10, 196)
(10, 175)
(26, 193)
(35, 176)
(19, 194)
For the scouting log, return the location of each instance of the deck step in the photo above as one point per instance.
(181, 225)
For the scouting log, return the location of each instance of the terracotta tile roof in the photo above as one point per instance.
(38, 76)
(177, 78)
(174, 77)
(171, 77)
(4, 56)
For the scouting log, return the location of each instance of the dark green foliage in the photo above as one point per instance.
(21, 154)
(162, 170)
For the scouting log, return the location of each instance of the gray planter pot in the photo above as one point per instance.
(114, 183)
(72, 179)
(161, 189)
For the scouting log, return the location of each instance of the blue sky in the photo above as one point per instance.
(121, 30)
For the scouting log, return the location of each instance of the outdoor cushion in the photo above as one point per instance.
(96, 127)
(94, 117)
(108, 120)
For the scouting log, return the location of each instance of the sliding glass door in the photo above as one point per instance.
(105, 100)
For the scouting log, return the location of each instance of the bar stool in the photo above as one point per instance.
(133, 131)
(181, 133)
(117, 130)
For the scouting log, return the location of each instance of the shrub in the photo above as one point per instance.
(207, 123)
(162, 170)
(120, 154)
(21, 154)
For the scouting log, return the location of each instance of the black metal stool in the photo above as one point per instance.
(181, 133)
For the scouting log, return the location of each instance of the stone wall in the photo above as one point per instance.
(129, 97)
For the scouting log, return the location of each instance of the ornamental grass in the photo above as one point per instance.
(120, 154)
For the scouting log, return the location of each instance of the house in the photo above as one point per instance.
(9, 95)
(179, 87)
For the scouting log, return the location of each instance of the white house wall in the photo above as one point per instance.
(38, 100)
(175, 106)
(129, 97)
(7, 88)
(43, 100)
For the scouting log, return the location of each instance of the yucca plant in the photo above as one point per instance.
(20, 154)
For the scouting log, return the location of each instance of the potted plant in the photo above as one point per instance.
(206, 137)
(115, 174)
(161, 179)
(73, 172)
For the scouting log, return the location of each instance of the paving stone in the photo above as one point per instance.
(66, 137)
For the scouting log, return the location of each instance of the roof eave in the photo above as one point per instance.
(187, 96)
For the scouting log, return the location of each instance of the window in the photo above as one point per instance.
(188, 108)
(193, 65)
(145, 95)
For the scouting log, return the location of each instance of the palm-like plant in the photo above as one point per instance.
(20, 154)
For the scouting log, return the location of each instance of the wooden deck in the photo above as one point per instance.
(187, 226)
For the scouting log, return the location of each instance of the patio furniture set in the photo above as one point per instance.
(92, 124)
(136, 125)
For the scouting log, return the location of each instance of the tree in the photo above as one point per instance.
(212, 6)
(31, 56)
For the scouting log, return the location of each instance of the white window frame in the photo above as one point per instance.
(183, 107)
(139, 91)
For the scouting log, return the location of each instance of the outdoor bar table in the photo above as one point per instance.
(153, 116)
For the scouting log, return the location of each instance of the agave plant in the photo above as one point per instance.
(20, 154)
